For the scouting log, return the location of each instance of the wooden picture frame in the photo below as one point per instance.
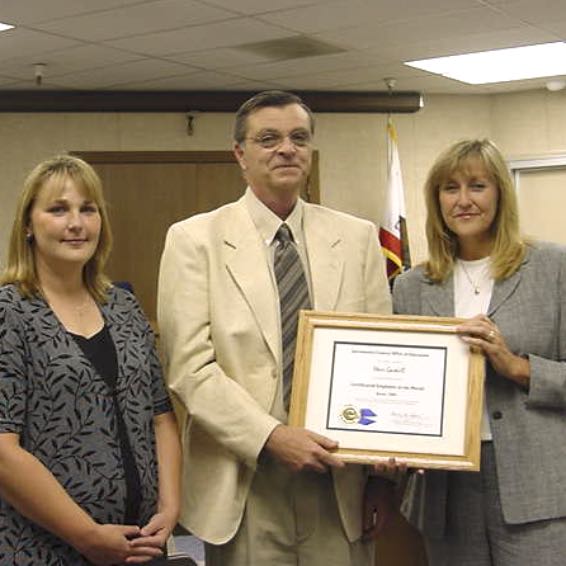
(389, 386)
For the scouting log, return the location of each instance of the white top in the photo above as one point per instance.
(473, 286)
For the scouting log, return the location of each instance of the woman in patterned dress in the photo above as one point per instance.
(89, 453)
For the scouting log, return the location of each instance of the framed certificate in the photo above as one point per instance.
(389, 386)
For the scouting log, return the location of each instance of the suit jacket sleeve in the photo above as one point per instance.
(13, 370)
(214, 401)
(547, 387)
(378, 295)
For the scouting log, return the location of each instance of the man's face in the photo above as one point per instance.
(277, 152)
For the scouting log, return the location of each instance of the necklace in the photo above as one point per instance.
(82, 307)
(475, 285)
(71, 312)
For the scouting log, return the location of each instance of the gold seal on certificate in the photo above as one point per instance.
(350, 415)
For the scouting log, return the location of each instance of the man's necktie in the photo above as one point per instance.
(293, 296)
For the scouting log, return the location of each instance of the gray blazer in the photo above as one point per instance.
(528, 427)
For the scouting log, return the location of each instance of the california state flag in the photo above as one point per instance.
(393, 229)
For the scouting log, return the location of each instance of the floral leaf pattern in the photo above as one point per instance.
(63, 411)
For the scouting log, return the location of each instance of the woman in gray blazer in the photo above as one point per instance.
(89, 454)
(513, 295)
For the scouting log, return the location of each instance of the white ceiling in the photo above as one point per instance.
(197, 44)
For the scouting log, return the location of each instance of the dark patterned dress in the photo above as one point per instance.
(64, 412)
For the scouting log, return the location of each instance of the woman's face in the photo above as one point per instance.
(65, 225)
(468, 204)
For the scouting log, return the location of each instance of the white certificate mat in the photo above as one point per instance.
(406, 387)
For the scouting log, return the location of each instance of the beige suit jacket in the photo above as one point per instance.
(220, 334)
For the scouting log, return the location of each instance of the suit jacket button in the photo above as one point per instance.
(497, 415)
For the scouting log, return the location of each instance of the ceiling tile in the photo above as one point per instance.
(436, 84)
(136, 20)
(219, 58)
(250, 7)
(221, 34)
(308, 65)
(464, 43)
(6, 81)
(420, 29)
(306, 83)
(254, 86)
(346, 13)
(26, 12)
(65, 61)
(142, 70)
(539, 12)
(339, 80)
(558, 27)
(32, 44)
(418, 84)
(515, 86)
(208, 80)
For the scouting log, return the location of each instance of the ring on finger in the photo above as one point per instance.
(491, 335)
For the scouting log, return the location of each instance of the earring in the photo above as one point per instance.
(29, 238)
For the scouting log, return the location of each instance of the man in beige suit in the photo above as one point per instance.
(258, 491)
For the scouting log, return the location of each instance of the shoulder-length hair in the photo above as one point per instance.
(20, 269)
(509, 247)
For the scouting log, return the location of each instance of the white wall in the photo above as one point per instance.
(352, 146)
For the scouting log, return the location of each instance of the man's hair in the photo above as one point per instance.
(20, 269)
(508, 247)
(266, 99)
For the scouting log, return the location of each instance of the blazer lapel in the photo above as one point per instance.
(502, 290)
(246, 262)
(438, 300)
(326, 261)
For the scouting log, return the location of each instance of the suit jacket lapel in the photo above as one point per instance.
(244, 253)
(502, 290)
(326, 261)
(438, 300)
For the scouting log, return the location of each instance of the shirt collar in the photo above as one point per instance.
(267, 222)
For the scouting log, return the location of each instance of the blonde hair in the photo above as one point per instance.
(509, 247)
(20, 269)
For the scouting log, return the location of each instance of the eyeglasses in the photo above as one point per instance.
(273, 140)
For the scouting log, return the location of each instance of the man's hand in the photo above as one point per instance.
(300, 449)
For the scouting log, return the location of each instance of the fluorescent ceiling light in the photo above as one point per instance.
(4, 27)
(500, 65)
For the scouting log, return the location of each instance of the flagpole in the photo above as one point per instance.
(393, 229)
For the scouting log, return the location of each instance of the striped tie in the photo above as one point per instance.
(293, 296)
